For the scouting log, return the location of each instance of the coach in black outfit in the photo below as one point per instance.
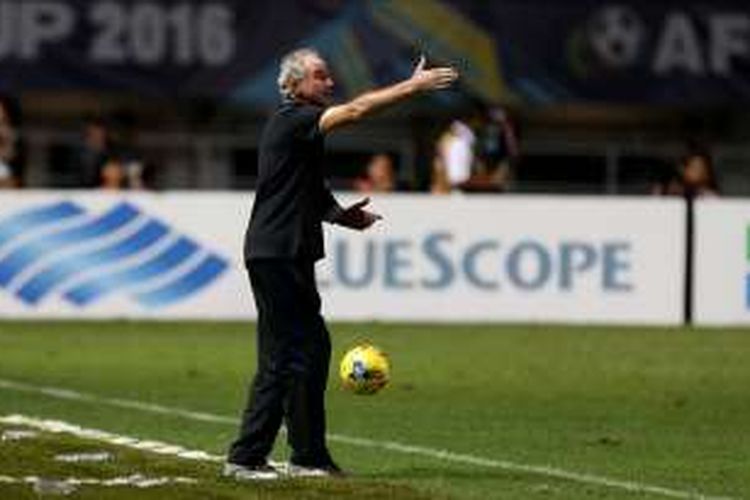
(283, 241)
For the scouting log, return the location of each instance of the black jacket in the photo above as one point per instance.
(292, 197)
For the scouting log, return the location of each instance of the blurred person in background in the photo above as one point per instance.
(7, 137)
(498, 151)
(11, 158)
(454, 158)
(476, 155)
(6, 177)
(694, 177)
(698, 175)
(113, 174)
(379, 177)
(283, 241)
(93, 152)
(137, 173)
(667, 182)
(439, 179)
(106, 161)
(122, 172)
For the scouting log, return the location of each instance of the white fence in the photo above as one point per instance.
(721, 293)
(511, 258)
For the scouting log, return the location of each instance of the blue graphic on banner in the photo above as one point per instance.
(185, 285)
(61, 248)
(100, 286)
(13, 226)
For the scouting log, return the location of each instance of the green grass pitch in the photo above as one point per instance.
(469, 408)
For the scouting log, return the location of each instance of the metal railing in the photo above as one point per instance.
(214, 160)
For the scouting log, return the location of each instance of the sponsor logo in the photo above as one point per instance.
(665, 42)
(63, 251)
(438, 262)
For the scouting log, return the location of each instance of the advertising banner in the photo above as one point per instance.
(539, 259)
(92, 255)
(722, 262)
(464, 259)
(167, 48)
(682, 53)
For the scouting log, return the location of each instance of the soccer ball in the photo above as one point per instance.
(616, 34)
(364, 369)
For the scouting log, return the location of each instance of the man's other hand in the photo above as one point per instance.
(355, 217)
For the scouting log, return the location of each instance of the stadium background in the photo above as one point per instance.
(604, 96)
(603, 93)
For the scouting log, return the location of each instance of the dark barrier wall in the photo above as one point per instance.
(513, 51)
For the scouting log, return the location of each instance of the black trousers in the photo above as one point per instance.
(294, 352)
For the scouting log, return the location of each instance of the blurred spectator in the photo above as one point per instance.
(103, 161)
(138, 173)
(476, 156)
(698, 175)
(694, 178)
(439, 179)
(380, 175)
(499, 151)
(668, 182)
(454, 158)
(10, 146)
(93, 152)
(6, 176)
(122, 171)
(112, 174)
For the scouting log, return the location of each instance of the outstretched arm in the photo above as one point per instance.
(422, 80)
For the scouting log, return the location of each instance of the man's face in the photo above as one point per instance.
(317, 85)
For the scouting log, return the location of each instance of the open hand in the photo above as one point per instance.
(434, 78)
(355, 217)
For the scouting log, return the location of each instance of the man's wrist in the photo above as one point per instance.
(412, 86)
(334, 214)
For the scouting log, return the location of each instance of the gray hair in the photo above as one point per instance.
(292, 69)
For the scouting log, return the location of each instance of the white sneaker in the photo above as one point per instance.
(263, 472)
(293, 470)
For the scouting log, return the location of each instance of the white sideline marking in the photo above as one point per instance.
(93, 457)
(449, 456)
(136, 480)
(121, 403)
(59, 427)
(18, 435)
